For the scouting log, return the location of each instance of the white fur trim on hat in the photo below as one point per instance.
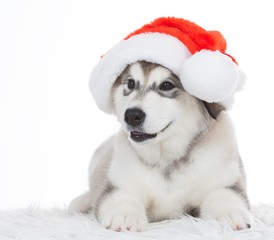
(208, 75)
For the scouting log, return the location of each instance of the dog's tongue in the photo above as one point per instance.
(138, 136)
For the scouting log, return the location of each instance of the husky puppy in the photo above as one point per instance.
(174, 155)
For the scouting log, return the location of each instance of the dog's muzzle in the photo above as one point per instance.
(135, 117)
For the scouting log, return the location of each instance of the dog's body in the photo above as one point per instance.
(174, 155)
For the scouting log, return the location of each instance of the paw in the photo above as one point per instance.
(122, 221)
(81, 204)
(227, 207)
(237, 219)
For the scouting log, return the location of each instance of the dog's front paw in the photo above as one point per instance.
(122, 221)
(227, 207)
(237, 219)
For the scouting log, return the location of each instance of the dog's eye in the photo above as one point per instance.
(130, 84)
(166, 86)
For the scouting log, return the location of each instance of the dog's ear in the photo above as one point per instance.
(214, 109)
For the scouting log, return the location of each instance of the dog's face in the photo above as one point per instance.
(151, 104)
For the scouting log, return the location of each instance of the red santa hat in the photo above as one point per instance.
(198, 57)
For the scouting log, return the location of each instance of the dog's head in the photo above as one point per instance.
(151, 104)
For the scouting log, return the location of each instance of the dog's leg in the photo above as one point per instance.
(227, 207)
(122, 212)
(81, 203)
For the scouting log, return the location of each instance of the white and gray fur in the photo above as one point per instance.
(190, 164)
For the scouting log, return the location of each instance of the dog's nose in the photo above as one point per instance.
(134, 116)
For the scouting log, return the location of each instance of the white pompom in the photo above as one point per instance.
(210, 76)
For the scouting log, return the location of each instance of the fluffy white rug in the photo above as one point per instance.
(57, 224)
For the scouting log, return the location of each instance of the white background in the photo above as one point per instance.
(49, 123)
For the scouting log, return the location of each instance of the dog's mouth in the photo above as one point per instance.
(139, 136)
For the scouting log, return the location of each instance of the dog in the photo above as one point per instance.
(175, 155)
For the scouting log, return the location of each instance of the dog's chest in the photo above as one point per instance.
(170, 192)
(166, 198)
(164, 195)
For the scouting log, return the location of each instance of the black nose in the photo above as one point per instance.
(134, 116)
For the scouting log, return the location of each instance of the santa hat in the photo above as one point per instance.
(198, 57)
